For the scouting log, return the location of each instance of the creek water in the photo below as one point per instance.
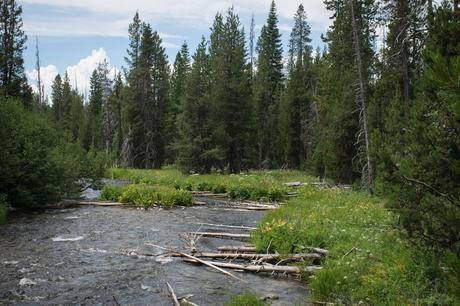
(76, 256)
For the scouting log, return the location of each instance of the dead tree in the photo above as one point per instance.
(363, 134)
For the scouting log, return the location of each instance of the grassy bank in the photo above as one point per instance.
(251, 186)
(143, 195)
(371, 261)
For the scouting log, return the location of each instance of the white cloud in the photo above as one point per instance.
(111, 18)
(47, 75)
(79, 74)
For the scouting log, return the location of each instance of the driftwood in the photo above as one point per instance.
(223, 235)
(210, 194)
(248, 208)
(99, 203)
(295, 184)
(261, 268)
(241, 249)
(197, 260)
(259, 257)
(252, 249)
(317, 250)
(241, 227)
(173, 295)
(184, 301)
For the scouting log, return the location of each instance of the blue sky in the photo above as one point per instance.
(75, 35)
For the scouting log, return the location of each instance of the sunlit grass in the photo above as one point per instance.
(371, 261)
(268, 185)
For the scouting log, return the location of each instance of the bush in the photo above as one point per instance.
(145, 196)
(33, 170)
(247, 299)
(111, 193)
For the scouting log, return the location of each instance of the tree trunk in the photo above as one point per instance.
(367, 172)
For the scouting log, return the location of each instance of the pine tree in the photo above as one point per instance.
(12, 45)
(135, 34)
(181, 71)
(267, 88)
(195, 146)
(230, 91)
(116, 108)
(56, 98)
(93, 122)
(299, 91)
(345, 92)
(148, 99)
(424, 175)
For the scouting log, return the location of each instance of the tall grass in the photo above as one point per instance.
(254, 185)
(371, 262)
(143, 195)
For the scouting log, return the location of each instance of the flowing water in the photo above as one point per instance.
(78, 256)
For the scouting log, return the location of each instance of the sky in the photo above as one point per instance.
(75, 35)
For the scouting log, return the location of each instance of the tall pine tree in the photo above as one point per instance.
(267, 90)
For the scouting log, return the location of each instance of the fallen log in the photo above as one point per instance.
(295, 184)
(265, 207)
(173, 295)
(191, 257)
(242, 227)
(241, 249)
(222, 235)
(272, 258)
(262, 268)
(317, 250)
(209, 194)
(252, 249)
(99, 203)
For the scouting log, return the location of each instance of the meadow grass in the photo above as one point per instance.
(257, 185)
(247, 299)
(371, 261)
(142, 195)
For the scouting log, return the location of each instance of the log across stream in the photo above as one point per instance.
(65, 256)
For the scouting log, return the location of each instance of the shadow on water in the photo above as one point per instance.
(75, 256)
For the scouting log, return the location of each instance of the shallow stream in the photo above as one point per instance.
(76, 256)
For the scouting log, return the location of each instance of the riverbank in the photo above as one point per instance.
(372, 260)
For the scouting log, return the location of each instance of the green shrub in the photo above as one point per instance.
(247, 299)
(111, 193)
(146, 195)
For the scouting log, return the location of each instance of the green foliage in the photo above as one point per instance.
(251, 186)
(111, 193)
(33, 171)
(148, 92)
(267, 91)
(247, 299)
(38, 164)
(229, 94)
(421, 166)
(13, 82)
(371, 261)
(146, 195)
